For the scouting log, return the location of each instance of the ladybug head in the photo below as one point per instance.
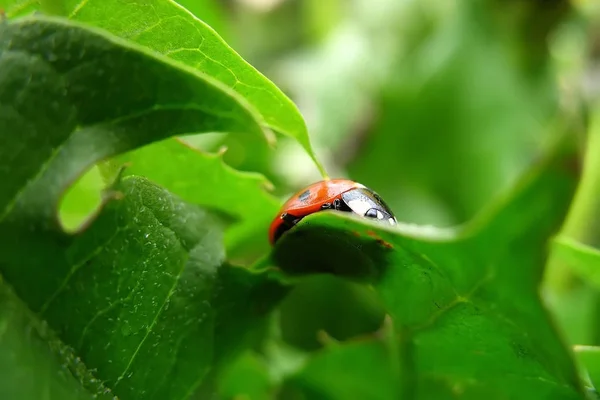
(368, 204)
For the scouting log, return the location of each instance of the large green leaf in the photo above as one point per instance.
(169, 29)
(141, 294)
(464, 302)
(67, 88)
(205, 179)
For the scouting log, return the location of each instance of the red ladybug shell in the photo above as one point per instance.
(319, 196)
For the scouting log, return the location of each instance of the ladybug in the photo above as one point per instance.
(334, 194)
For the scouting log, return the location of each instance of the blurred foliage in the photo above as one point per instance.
(442, 107)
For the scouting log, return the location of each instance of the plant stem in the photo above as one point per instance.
(583, 222)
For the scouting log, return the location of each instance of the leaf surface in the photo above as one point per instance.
(169, 29)
(464, 302)
(16, 8)
(33, 364)
(581, 258)
(589, 358)
(206, 180)
(365, 368)
(137, 294)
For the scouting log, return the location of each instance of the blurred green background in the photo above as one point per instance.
(438, 105)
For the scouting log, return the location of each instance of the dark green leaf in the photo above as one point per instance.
(361, 369)
(132, 294)
(325, 303)
(140, 296)
(466, 301)
(33, 363)
(136, 295)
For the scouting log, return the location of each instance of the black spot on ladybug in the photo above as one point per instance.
(304, 196)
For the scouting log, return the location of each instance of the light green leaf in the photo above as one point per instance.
(247, 378)
(206, 180)
(582, 258)
(15, 8)
(171, 30)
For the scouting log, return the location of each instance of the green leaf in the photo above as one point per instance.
(246, 378)
(581, 258)
(142, 277)
(15, 8)
(365, 368)
(171, 30)
(84, 96)
(33, 364)
(464, 301)
(589, 358)
(325, 303)
(81, 200)
(206, 180)
(153, 302)
(140, 294)
(210, 12)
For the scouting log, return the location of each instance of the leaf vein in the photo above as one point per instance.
(104, 311)
(78, 8)
(164, 303)
(76, 267)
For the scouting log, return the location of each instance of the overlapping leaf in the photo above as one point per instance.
(205, 179)
(169, 29)
(465, 303)
(140, 294)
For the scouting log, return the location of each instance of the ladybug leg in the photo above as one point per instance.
(337, 204)
(325, 206)
(289, 219)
